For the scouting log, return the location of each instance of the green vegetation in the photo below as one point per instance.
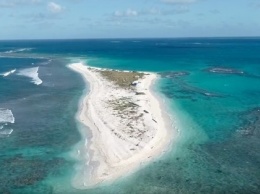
(122, 79)
(123, 104)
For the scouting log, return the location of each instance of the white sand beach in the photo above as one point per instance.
(129, 127)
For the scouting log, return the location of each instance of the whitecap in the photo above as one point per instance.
(31, 73)
(6, 132)
(23, 49)
(18, 50)
(8, 73)
(10, 51)
(6, 116)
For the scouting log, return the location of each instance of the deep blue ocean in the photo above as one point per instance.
(211, 87)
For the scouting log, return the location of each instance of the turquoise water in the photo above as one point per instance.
(210, 86)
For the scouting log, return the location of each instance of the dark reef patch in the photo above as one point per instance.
(174, 74)
(177, 88)
(229, 71)
(250, 123)
(222, 70)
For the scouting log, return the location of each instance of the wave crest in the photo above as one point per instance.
(31, 73)
(6, 116)
(8, 73)
(18, 50)
(6, 132)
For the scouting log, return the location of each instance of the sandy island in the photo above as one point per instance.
(128, 125)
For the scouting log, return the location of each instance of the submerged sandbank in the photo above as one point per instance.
(127, 123)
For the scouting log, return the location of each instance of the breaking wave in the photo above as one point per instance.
(6, 116)
(8, 73)
(6, 132)
(18, 50)
(31, 73)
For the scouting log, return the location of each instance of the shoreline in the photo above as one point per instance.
(113, 152)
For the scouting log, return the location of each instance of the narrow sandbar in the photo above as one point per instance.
(126, 120)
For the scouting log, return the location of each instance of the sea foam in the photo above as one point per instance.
(6, 132)
(8, 73)
(31, 73)
(18, 50)
(6, 116)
